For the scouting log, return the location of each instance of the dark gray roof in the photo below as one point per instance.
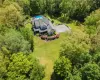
(43, 24)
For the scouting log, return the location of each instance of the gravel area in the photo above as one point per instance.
(61, 28)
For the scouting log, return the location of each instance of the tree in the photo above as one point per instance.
(1, 41)
(24, 67)
(97, 58)
(3, 29)
(96, 5)
(56, 8)
(37, 72)
(4, 61)
(62, 68)
(76, 74)
(37, 7)
(15, 42)
(11, 15)
(95, 41)
(45, 6)
(51, 6)
(25, 4)
(91, 21)
(28, 35)
(76, 48)
(90, 71)
(93, 18)
(78, 11)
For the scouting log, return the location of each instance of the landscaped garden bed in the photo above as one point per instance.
(45, 37)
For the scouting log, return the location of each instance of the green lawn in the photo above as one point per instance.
(48, 52)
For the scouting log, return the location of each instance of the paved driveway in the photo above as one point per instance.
(61, 28)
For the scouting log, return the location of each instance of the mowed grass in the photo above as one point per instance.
(47, 52)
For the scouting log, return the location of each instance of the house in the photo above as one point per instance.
(41, 24)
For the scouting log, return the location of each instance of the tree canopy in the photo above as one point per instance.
(79, 55)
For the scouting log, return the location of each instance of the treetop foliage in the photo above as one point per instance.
(83, 56)
(10, 15)
(79, 57)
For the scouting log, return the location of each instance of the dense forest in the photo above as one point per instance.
(79, 54)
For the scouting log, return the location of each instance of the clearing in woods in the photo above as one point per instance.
(48, 51)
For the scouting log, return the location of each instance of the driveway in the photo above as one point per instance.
(61, 28)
